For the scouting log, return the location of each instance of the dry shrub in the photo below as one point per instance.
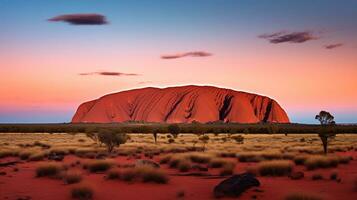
(82, 191)
(199, 157)
(98, 165)
(315, 162)
(259, 156)
(37, 156)
(184, 165)
(8, 153)
(275, 168)
(302, 196)
(142, 173)
(71, 177)
(218, 162)
(165, 159)
(48, 170)
(24, 155)
(113, 174)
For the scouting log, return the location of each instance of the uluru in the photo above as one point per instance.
(183, 104)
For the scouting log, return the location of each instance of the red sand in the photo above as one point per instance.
(181, 105)
(23, 183)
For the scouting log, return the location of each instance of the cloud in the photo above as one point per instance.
(332, 46)
(292, 37)
(109, 74)
(80, 19)
(187, 54)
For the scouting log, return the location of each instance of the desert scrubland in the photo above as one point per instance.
(186, 166)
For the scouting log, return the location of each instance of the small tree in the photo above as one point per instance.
(325, 132)
(112, 139)
(92, 133)
(174, 130)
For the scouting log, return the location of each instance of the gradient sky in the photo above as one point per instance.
(40, 61)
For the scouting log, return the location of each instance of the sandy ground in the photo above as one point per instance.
(23, 183)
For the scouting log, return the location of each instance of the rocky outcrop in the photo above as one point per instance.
(183, 104)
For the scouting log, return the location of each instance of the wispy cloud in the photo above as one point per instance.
(291, 37)
(186, 54)
(81, 19)
(105, 73)
(332, 46)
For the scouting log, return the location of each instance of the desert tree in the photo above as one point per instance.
(325, 132)
(174, 130)
(112, 138)
(92, 133)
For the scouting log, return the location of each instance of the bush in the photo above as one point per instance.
(218, 162)
(275, 168)
(48, 170)
(314, 162)
(145, 174)
(24, 155)
(82, 192)
(112, 139)
(184, 165)
(72, 177)
(301, 196)
(98, 165)
(37, 156)
(113, 174)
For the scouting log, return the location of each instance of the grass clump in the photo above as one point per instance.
(302, 196)
(113, 174)
(72, 177)
(8, 153)
(37, 156)
(98, 165)
(218, 162)
(82, 191)
(275, 168)
(48, 170)
(315, 162)
(184, 165)
(143, 174)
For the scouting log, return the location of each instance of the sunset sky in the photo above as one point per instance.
(53, 57)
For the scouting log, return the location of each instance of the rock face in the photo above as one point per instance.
(183, 104)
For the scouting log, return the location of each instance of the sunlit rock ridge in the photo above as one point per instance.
(182, 104)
